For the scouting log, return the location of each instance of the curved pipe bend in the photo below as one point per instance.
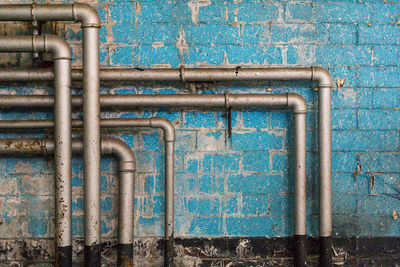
(86, 14)
(110, 145)
(321, 76)
(166, 126)
(297, 103)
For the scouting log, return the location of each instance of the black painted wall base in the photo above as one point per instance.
(221, 251)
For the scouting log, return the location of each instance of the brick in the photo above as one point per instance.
(256, 205)
(380, 162)
(386, 55)
(343, 119)
(253, 226)
(343, 55)
(256, 184)
(386, 98)
(365, 141)
(379, 119)
(256, 141)
(254, 55)
(379, 34)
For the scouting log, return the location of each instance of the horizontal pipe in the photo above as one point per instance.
(169, 136)
(127, 169)
(171, 75)
(167, 100)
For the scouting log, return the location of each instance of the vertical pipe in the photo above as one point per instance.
(324, 80)
(91, 146)
(169, 203)
(125, 218)
(300, 212)
(325, 195)
(62, 161)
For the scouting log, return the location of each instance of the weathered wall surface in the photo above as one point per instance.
(243, 186)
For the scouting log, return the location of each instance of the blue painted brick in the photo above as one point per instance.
(254, 55)
(253, 226)
(365, 141)
(256, 161)
(380, 162)
(257, 205)
(379, 76)
(386, 98)
(386, 55)
(343, 55)
(379, 119)
(211, 183)
(344, 161)
(343, 119)
(256, 183)
(379, 34)
(256, 141)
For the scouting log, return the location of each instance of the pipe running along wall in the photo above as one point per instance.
(90, 23)
(62, 130)
(316, 74)
(293, 101)
(126, 195)
(127, 169)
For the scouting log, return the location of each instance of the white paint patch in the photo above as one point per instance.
(181, 44)
(157, 45)
(194, 6)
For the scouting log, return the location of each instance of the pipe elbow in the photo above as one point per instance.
(166, 126)
(296, 103)
(120, 149)
(321, 76)
(86, 15)
(57, 46)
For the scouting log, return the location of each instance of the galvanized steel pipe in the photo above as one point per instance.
(127, 169)
(125, 231)
(90, 23)
(290, 100)
(62, 130)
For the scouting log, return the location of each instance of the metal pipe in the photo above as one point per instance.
(171, 75)
(127, 170)
(125, 247)
(290, 100)
(90, 23)
(62, 130)
(323, 78)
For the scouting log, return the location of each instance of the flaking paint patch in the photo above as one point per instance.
(110, 40)
(181, 44)
(157, 45)
(194, 6)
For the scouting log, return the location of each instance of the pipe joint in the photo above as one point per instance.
(127, 166)
(55, 45)
(296, 103)
(119, 148)
(166, 126)
(86, 14)
(321, 76)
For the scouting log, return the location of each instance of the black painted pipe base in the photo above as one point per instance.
(64, 256)
(169, 252)
(325, 251)
(125, 255)
(92, 256)
(300, 250)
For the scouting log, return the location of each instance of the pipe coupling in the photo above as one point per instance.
(127, 166)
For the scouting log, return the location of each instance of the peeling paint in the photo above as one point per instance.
(195, 6)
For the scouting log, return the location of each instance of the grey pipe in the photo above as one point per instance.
(125, 236)
(127, 170)
(172, 75)
(62, 130)
(90, 23)
(317, 74)
(290, 100)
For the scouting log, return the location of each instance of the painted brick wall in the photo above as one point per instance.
(243, 186)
